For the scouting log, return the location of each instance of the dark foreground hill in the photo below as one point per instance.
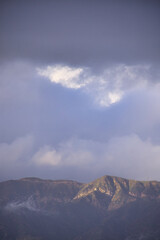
(109, 208)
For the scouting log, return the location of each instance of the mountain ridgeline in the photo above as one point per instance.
(109, 208)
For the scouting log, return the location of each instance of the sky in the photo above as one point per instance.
(79, 89)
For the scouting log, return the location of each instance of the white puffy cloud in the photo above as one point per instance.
(127, 156)
(74, 152)
(47, 156)
(64, 75)
(106, 88)
(116, 82)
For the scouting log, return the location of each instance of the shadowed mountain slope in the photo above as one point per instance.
(110, 208)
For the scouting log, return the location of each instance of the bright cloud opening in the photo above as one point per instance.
(64, 75)
(107, 88)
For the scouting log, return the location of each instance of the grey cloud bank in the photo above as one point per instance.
(80, 32)
(79, 89)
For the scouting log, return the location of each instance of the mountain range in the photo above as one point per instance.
(109, 208)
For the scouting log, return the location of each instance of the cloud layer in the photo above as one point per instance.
(71, 32)
(79, 89)
(106, 88)
(126, 156)
(74, 125)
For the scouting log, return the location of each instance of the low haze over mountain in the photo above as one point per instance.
(108, 208)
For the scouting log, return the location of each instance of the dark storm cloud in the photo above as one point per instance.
(80, 32)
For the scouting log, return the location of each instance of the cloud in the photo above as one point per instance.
(14, 156)
(74, 152)
(15, 151)
(72, 33)
(127, 156)
(109, 87)
(52, 131)
(133, 157)
(47, 156)
(64, 75)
